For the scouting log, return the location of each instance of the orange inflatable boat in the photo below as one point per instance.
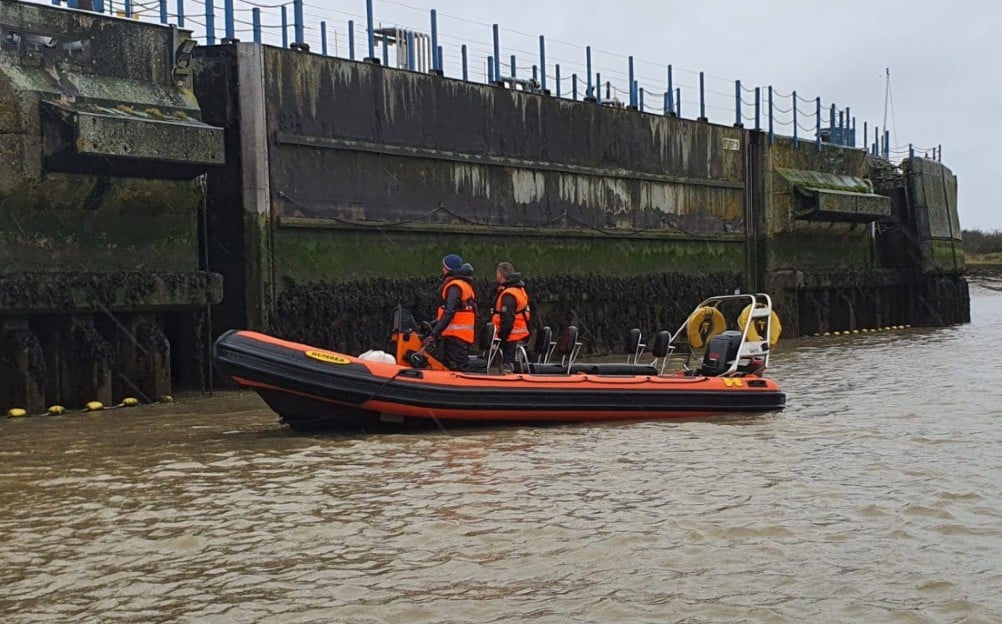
(313, 388)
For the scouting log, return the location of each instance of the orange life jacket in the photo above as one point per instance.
(520, 330)
(465, 318)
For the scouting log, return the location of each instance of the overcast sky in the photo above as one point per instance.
(944, 59)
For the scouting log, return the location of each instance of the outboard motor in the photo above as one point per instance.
(720, 353)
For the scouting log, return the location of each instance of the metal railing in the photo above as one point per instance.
(425, 48)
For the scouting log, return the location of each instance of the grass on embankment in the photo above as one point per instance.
(983, 252)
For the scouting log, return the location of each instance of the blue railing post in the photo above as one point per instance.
(410, 50)
(163, 11)
(598, 88)
(876, 141)
(299, 30)
(588, 91)
(666, 103)
(640, 97)
(180, 13)
(542, 63)
(772, 135)
(513, 68)
(497, 54)
(256, 24)
(386, 50)
(939, 153)
(817, 123)
(887, 144)
(608, 90)
(758, 108)
(678, 101)
(351, 40)
(434, 41)
(285, 27)
(911, 151)
(633, 96)
(441, 68)
(228, 17)
(831, 123)
(702, 98)
(323, 37)
(574, 87)
(490, 70)
(796, 136)
(738, 121)
(466, 71)
(852, 133)
(210, 23)
(128, 9)
(866, 134)
(556, 77)
(841, 127)
(535, 73)
(371, 35)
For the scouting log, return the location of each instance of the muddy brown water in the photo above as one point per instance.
(874, 497)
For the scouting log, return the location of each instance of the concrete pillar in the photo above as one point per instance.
(143, 352)
(191, 339)
(85, 362)
(51, 339)
(757, 172)
(22, 368)
(255, 187)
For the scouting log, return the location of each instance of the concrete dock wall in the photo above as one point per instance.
(102, 289)
(366, 172)
(149, 199)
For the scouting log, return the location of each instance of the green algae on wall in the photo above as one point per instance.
(78, 223)
(305, 255)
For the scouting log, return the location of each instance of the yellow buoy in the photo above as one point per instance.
(56, 410)
(94, 406)
(16, 412)
(130, 402)
(704, 324)
(166, 399)
(855, 332)
(828, 333)
(908, 326)
(758, 326)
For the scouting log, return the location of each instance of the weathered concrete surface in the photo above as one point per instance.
(371, 172)
(82, 93)
(100, 251)
(932, 196)
(403, 144)
(352, 172)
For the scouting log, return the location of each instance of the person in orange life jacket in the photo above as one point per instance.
(511, 313)
(453, 332)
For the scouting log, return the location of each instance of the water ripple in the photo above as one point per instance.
(873, 497)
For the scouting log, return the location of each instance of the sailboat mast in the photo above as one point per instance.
(887, 93)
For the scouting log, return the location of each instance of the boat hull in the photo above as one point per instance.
(315, 389)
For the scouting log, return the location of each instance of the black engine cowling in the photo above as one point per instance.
(720, 353)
